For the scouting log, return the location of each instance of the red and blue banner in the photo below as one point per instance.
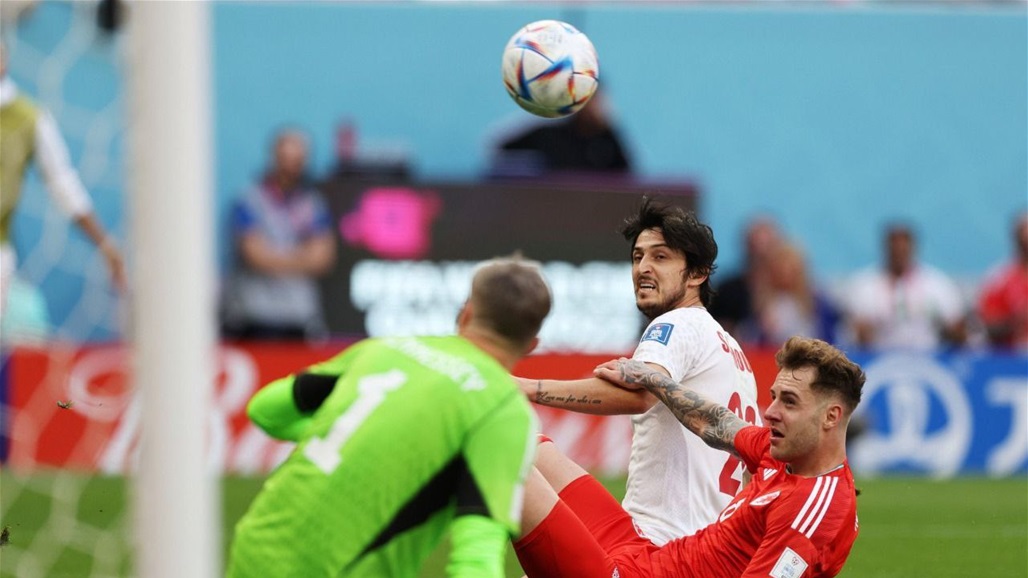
(940, 415)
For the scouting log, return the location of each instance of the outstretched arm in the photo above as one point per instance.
(714, 423)
(107, 247)
(592, 395)
(66, 187)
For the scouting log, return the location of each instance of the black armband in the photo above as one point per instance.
(311, 389)
(470, 500)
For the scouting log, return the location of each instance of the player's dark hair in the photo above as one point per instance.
(683, 232)
(835, 372)
(511, 298)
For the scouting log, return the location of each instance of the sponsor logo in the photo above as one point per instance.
(789, 565)
(923, 418)
(768, 472)
(659, 332)
(392, 222)
(765, 499)
(727, 512)
(427, 302)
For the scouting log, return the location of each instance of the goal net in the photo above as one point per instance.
(61, 521)
(82, 489)
(62, 290)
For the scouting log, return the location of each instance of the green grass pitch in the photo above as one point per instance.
(910, 527)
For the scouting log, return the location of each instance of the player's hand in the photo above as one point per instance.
(614, 371)
(115, 264)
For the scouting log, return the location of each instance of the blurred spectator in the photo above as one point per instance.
(905, 304)
(586, 141)
(791, 304)
(382, 164)
(282, 233)
(733, 306)
(29, 134)
(1003, 304)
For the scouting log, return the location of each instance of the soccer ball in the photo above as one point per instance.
(550, 68)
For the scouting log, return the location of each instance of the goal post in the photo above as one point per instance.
(175, 498)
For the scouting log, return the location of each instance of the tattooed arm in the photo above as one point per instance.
(715, 424)
(591, 395)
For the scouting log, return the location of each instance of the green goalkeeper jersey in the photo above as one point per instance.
(415, 432)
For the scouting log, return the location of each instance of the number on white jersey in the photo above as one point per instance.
(731, 474)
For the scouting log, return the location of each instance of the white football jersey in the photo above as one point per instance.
(906, 313)
(677, 484)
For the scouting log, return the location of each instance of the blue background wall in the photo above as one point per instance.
(835, 119)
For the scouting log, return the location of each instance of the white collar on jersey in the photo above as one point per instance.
(788, 468)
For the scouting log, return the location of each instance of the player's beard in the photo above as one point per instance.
(670, 301)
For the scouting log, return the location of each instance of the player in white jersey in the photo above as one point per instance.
(676, 483)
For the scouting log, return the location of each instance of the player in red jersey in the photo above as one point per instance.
(796, 519)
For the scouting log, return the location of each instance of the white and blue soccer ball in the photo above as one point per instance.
(550, 68)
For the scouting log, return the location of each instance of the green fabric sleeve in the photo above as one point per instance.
(499, 452)
(478, 548)
(272, 409)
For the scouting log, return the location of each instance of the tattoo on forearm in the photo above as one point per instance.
(546, 398)
(715, 424)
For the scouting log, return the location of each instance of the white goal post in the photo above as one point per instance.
(170, 196)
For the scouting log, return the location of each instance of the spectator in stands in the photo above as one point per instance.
(905, 304)
(791, 304)
(1003, 303)
(586, 141)
(282, 233)
(29, 134)
(733, 305)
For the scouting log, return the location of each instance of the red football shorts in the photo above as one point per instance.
(579, 536)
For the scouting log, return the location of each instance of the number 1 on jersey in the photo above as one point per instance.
(371, 392)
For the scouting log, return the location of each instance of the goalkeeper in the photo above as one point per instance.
(398, 441)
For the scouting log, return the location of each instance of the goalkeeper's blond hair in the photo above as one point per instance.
(510, 298)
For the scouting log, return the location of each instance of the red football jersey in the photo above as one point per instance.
(780, 526)
(1004, 297)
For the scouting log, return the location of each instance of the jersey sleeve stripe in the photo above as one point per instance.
(806, 506)
(828, 502)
